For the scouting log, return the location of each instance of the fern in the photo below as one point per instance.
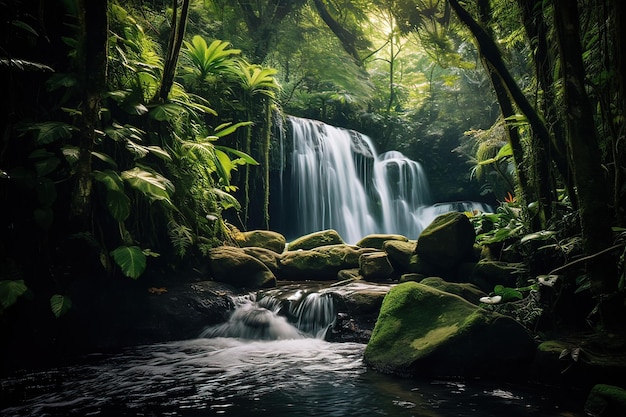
(181, 237)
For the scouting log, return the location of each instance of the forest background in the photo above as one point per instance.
(132, 130)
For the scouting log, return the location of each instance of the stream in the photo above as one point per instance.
(262, 362)
(235, 377)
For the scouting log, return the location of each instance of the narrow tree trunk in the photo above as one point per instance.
(584, 150)
(507, 110)
(93, 70)
(179, 23)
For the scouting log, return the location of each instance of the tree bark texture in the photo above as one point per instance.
(93, 71)
(583, 148)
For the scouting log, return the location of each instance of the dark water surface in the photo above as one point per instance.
(233, 377)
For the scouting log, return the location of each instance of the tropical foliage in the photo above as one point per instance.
(133, 133)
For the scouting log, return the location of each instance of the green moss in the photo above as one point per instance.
(413, 320)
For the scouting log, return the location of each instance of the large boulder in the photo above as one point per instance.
(315, 240)
(447, 241)
(321, 263)
(262, 239)
(233, 266)
(376, 241)
(427, 332)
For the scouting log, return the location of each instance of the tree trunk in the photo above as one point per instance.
(347, 39)
(93, 71)
(584, 150)
(507, 110)
(177, 34)
(489, 50)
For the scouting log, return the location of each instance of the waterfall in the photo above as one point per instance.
(334, 179)
(302, 315)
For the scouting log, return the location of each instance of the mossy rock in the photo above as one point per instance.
(315, 240)
(233, 266)
(266, 239)
(376, 241)
(606, 401)
(321, 263)
(424, 331)
(467, 291)
(375, 266)
(447, 241)
(399, 254)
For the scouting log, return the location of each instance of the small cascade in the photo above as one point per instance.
(254, 321)
(315, 314)
(303, 315)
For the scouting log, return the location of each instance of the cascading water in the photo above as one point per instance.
(332, 178)
(302, 315)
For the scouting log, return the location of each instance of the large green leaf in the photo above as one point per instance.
(110, 179)
(166, 111)
(10, 290)
(131, 260)
(60, 304)
(153, 185)
(48, 132)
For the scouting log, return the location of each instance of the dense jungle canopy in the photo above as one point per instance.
(131, 131)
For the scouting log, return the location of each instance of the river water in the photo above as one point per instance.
(236, 377)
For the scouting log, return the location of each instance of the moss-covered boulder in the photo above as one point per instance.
(466, 291)
(375, 266)
(606, 401)
(399, 254)
(424, 331)
(319, 264)
(262, 239)
(315, 240)
(447, 241)
(376, 241)
(269, 257)
(233, 266)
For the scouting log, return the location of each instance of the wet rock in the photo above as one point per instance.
(233, 266)
(428, 332)
(376, 241)
(447, 241)
(315, 240)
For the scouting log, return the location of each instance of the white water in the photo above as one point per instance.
(307, 315)
(338, 181)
